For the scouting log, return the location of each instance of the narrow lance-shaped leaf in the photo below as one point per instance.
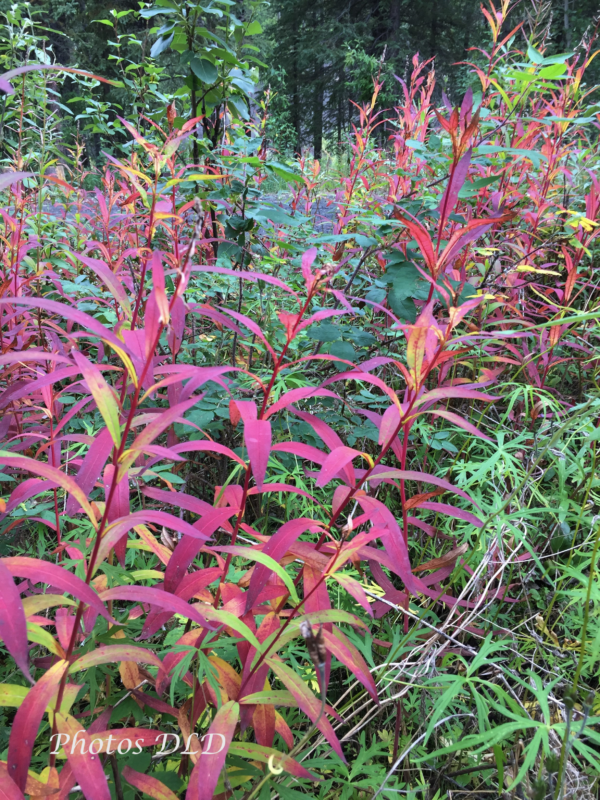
(107, 654)
(257, 436)
(86, 766)
(8, 788)
(103, 394)
(27, 722)
(13, 625)
(148, 784)
(215, 746)
(306, 701)
(44, 571)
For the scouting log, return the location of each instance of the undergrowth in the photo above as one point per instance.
(299, 463)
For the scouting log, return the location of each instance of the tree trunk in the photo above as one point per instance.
(318, 112)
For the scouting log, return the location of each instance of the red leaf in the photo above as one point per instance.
(44, 470)
(207, 770)
(86, 767)
(207, 447)
(451, 511)
(295, 395)
(8, 788)
(422, 238)
(277, 547)
(121, 526)
(8, 178)
(91, 467)
(455, 184)
(263, 721)
(246, 276)
(257, 436)
(13, 625)
(110, 654)
(306, 701)
(108, 278)
(68, 311)
(43, 571)
(234, 414)
(27, 722)
(342, 648)
(413, 475)
(148, 784)
(66, 779)
(147, 594)
(460, 422)
(335, 462)
(446, 393)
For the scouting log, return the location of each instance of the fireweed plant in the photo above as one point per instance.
(295, 510)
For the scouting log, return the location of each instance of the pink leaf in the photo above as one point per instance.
(257, 436)
(277, 547)
(354, 588)
(152, 596)
(306, 701)
(43, 470)
(446, 393)
(27, 722)
(148, 784)
(110, 654)
(246, 276)
(455, 184)
(8, 178)
(335, 462)
(86, 767)
(342, 648)
(108, 278)
(8, 788)
(88, 323)
(13, 625)
(459, 422)
(207, 770)
(43, 571)
(121, 526)
(207, 447)
(158, 284)
(295, 395)
(91, 467)
(451, 511)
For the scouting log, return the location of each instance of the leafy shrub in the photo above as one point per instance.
(319, 498)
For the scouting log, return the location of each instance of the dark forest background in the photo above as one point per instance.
(321, 54)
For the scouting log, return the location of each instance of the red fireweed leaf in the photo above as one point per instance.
(27, 722)
(277, 547)
(91, 467)
(155, 597)
(148, 784)
(307, 702)
(44, 470)
(86, 765)
(110, 654)
(8, 788)
(342, 648)
(39, 571)
(335, 462)
(13, 625)
(207, 770)
(257, 437)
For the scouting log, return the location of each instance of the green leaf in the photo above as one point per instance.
(284, 172)
(204, 69)
(326, 332)
(267, 561)
(534, 56)
(254, 28)
(160, 45)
